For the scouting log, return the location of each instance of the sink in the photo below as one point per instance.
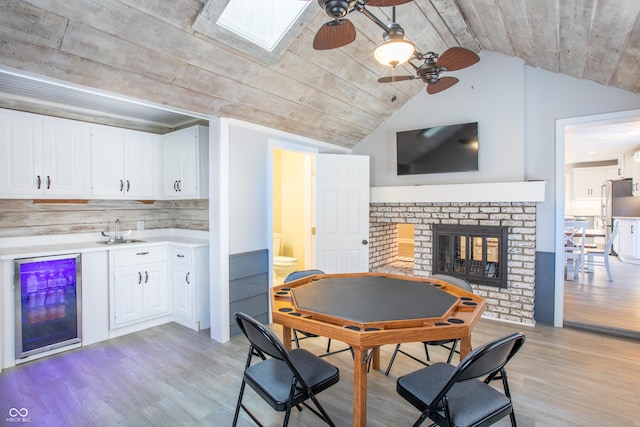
(120, 242)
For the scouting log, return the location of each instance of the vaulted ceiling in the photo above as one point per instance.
(165, 53)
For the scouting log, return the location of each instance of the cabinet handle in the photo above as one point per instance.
(632, 229)
(186, 278)
(175, 185)
(48, 182)
(139, 278)
(179, 185)
(121, 185)
(146, 276)
(180, 256)
(38, 182)
(128, 186)
(142, 253)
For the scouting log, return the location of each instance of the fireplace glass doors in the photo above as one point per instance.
(476, 253)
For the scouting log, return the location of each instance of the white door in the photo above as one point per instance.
(342, 213)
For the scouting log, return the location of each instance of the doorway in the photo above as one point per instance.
(292, 212)
(601, 146)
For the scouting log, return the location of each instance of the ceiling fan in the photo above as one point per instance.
(341, 31)
(455, 58)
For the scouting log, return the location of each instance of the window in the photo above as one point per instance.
(260, 29)
(262, 22)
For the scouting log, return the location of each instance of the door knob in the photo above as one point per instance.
(364, 242)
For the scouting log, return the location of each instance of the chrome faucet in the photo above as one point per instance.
(117, 235)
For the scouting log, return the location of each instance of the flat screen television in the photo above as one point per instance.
(439, 149)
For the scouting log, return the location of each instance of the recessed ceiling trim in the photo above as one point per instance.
(21, 88)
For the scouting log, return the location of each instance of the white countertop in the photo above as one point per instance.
(32, 246)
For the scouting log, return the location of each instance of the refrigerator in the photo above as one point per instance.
(47, 303)
(618, 202)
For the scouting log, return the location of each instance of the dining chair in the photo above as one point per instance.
(603, 254)
(461, 395)
(574, 250)
(301, 335)
(283, 378)
(449, 344)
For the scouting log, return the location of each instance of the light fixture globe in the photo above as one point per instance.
(395, 50)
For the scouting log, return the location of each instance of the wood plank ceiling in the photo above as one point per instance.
(150, 50)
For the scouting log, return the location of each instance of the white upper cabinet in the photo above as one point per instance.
(185, 163)
(588, 182)
(122, 163)
(41, 156)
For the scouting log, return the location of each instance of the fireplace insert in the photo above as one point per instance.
(476, 253)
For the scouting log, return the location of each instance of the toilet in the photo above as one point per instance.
(282, 265)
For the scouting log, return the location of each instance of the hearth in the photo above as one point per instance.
(473, 252)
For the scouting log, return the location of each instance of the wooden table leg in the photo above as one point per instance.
(376, 359)
(465, 346)
(286, 337)
(359, 388)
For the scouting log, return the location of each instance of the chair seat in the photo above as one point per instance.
(271, 379)
(471, 402)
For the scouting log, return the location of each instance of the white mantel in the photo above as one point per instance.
(530, 191)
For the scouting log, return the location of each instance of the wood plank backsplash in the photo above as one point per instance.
(32, 218)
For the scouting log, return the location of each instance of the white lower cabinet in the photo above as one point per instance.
(140, 287)
(629, 240)
(190, 284)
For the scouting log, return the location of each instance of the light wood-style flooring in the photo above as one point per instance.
(172, 376)
(601, 305)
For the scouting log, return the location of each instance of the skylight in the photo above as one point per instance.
(263, 22)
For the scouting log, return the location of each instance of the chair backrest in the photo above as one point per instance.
(260, 336)
(266, 342)
(485, 361)
(300, 274)
(455, 281)
(574, 232)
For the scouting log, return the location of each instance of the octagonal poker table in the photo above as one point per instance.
(367, 310)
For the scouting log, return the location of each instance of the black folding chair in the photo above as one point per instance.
(284, 379)
(454, 396)
(449, 344)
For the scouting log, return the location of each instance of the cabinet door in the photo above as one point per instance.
(128, 295)
(628, 238)
(635, 174)
(62, 149)
(107, 165)
(588, 182)
(172, 164)
(138, 164)
(20, 154)
(182, 282)
(156, 290)
(181, 163)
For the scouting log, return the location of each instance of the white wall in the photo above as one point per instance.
(249, 191)
(550, 97)
(516, 107)
(490, 92)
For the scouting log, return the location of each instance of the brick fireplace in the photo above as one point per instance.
(515, 302)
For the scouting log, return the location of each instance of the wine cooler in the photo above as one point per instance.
(48, 303)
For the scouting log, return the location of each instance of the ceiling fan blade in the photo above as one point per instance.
(387, 3)
(334, 34)
(457, 58)
(395, 79)
(442, 84)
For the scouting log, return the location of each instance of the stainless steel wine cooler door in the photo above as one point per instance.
(48, 303)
